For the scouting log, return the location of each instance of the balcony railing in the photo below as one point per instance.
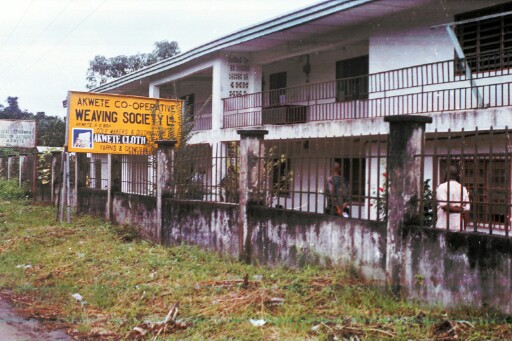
(434, 87)
(202, 115)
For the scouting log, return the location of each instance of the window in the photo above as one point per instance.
(352, 79)
(487, 44)
(354, 171)
(277, 93)
(486, 180)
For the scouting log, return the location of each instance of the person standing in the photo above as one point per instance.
(337, 193)
(452, 202)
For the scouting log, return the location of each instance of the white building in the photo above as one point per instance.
(335, 69)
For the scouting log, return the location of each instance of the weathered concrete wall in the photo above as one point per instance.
(296, 238)
(212, 226)
(93, 202)
(453, 268)
(138, 211)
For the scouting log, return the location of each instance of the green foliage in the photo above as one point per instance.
(51, 130)
(102, 69)
(277, 178)
(44, 166)
(428, 201)
(11, 190)
(428, 204)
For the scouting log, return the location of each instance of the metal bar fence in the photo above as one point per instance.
(96, 170)
(207, 174)
(138, 174)
(482, 159)
(340, 176)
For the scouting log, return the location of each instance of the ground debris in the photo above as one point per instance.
(235, 302)
(451, 330)
(166, 326)
(244, 283)
(353, 331)
(257, 323)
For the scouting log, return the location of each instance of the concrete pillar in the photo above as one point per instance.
(405, 144)
(10, 166)
(22, 168)
(26, 172)
(3, 167)
(154, 91)
(164, 169)
(218, 92)
(113, 182)
(252, 151)
(56, 175)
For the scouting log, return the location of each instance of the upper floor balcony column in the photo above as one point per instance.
(234, 75)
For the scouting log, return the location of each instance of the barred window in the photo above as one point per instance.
(486, 180)
(487, 44)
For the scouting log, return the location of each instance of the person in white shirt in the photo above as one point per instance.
(452, 202)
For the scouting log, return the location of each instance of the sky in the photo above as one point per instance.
(46, 45)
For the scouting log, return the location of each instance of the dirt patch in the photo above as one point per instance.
(19, 323)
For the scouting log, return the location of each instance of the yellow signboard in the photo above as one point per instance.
(118, 124)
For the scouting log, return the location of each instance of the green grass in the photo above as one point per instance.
(126, 281)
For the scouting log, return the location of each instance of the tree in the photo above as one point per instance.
(13, 111)
(102, 69)
(51, 130)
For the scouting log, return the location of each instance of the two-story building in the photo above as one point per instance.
(321, 80)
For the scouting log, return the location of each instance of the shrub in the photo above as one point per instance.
(11, 190)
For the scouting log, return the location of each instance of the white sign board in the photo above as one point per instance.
(18, 133)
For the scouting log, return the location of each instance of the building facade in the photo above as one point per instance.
(321, 80)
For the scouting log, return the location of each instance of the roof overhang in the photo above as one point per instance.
(296, 26)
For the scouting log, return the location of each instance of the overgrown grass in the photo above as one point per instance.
(11, 190)
(126, 281)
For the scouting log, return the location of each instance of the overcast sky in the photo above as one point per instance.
(46, 45)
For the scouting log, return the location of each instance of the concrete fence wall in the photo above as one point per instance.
(212, 226)
(434, 266)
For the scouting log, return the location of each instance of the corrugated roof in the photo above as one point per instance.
(280, 23)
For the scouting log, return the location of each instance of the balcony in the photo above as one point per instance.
(420, 89)
(201, 115)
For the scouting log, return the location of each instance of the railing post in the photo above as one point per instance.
(405, 188)
(252, 151)
(56, 175)
(164, 173)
